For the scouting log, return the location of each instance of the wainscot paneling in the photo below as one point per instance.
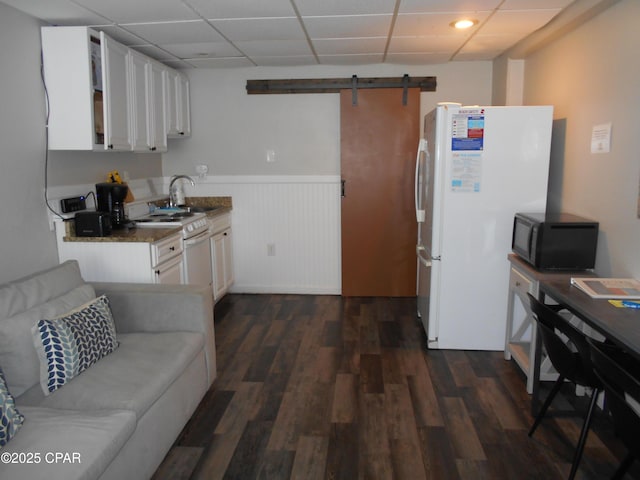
(296, 217)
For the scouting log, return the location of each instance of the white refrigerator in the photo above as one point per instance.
(476, 167)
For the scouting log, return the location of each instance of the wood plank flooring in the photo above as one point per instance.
(324, 387)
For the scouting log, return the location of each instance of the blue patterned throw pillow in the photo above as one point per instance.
(70, 344)
(10, 418)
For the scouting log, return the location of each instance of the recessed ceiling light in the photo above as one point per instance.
(464, 23)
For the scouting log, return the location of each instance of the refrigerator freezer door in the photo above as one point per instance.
(507, 160)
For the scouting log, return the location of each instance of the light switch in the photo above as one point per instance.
(271, 156)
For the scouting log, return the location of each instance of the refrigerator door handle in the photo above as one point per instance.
(420, 212)
(423, 255)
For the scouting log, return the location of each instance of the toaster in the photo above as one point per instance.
(92, 224)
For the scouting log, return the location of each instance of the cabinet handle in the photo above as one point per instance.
(181, 133)
(111, 146)
(225, 234)
(152, 148)
(517, 284)
(172, 248)
(158, 272)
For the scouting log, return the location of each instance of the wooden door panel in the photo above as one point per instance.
(378, 142)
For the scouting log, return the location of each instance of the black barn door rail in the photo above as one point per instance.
(334, 85)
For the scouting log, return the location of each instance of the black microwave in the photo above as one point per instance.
(559, 241)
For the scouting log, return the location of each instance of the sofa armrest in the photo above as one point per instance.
(138, 307)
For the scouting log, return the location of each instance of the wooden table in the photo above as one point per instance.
(620, 325)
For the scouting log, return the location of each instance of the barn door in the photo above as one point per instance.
(378, 142)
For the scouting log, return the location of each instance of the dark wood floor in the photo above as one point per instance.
(313, 387)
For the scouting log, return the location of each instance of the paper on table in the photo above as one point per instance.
(616, 288)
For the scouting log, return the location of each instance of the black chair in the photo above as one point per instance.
(571, 359)
(619, 374)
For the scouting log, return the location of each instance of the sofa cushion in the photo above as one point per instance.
(65, 444)
(70, 344)
(10, 418)
(112, 383)
(36, 289)
(18, 356)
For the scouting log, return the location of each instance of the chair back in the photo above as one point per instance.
(619, 374)
(571, 358)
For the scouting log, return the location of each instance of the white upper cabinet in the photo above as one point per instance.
(84, 72)
(137, 93)
(176, 101)
(155, 106)
(146, 104)
(115, 73)
(105, 96)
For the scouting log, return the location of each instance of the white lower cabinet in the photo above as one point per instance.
(122, 261)
(221, 255)
(169, 272)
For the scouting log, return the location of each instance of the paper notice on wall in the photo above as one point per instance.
(466, 171)
(601, 138)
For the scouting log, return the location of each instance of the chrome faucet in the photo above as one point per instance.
(173, 191)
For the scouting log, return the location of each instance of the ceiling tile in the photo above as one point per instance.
(242, 9)
(315, 8)
(476, 56)
(364, 59)
(275, 48)
(417, 58)
(201, 50)
(534, 4)
(348, 26)
(491, 43)
(227, 62)
(431, 24)
(143, 11)
(260, 29)
(520, 22)
(341, 46)
(194, 31)
(451, 6)
(342, 31)
(426, 44)
(286, 61)
(58, 12)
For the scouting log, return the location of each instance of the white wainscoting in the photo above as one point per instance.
(298, 215)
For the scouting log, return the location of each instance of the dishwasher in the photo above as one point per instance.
(197, 260)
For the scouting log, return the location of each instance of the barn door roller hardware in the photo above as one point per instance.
(334, 85)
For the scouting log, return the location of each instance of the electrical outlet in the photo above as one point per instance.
(271, 249)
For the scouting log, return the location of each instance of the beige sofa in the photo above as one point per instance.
(118, 418)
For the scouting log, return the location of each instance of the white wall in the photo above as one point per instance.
(591, 77)
(231, 130)
(26, 242)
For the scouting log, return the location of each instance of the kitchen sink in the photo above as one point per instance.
(197, 209)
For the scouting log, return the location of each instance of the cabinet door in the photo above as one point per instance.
(184, 112)
(169, 272)
(217, 257)
(155, 106)
(169, 82)
(228, 259)
(116, 110)
(137, 93)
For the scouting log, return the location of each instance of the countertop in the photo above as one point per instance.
(153, 234)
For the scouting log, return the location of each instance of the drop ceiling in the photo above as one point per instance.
(239, 33)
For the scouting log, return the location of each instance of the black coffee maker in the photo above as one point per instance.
(110, 198)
